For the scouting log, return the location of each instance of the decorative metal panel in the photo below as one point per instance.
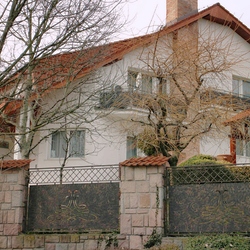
(216, 207)
(74, 207)
(73, 175)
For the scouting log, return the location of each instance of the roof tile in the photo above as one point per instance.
(145, 161)
(15, 163)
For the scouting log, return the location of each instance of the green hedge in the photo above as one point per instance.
(200, 160)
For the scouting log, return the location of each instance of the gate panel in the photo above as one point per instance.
(74, 207)
(210, 208)
(208, 199)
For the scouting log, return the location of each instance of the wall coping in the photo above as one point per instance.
(10, 164)
(145, 161)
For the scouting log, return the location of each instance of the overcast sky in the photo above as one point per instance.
(153, 13)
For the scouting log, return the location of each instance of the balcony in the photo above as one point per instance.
(123, 99)
(226, 99)
(120, 99)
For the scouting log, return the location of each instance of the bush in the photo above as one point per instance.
(218, 242)
(200, 160)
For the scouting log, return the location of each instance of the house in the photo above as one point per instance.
(105, 133)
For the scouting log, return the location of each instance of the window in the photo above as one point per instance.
(139, 81)
(164, 87)
(75, 145)
(131, 147)
(132, 80)
(242, 147)
(146, 83)
(241, 87)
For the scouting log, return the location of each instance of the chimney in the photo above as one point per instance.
(180, 8)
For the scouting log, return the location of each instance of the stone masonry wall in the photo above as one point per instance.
(138, 203)
(59, 242)
(13, 200)
(139, 187)
(13, 197)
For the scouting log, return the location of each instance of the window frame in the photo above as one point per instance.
(242, 152)
(238, 86)
(137, 83)
(62, 155)
(134, 141)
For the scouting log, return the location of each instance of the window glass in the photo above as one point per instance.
(246, 88)
(146, 84)
(239, 147)
(132, 80)
(59, 144)
(247, 148)
(236, 87)
(165, 86)
(131, 147)
(76, 145)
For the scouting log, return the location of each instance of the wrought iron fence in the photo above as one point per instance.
(208, 199)
(209, 174)
(88, 199)
(74, 175)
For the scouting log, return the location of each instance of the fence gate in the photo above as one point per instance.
(74, 199)
(208, 199)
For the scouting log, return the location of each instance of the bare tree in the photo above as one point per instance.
(49, 50)
(192, 91)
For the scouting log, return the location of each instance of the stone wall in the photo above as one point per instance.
(13, 200)
(59, 242)
(139, 187)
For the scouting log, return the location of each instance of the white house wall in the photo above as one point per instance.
(219, 143)
(106, 137)
(237, 52)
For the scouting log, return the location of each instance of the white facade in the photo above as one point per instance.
(105, 139)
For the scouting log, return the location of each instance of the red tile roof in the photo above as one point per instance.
(146, 161)
(14, 163)
(81, 63)
(238, 118)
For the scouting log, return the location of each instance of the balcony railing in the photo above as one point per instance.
(124, 99)
(224, 98)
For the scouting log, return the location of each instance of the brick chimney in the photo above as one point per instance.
(180, 8)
